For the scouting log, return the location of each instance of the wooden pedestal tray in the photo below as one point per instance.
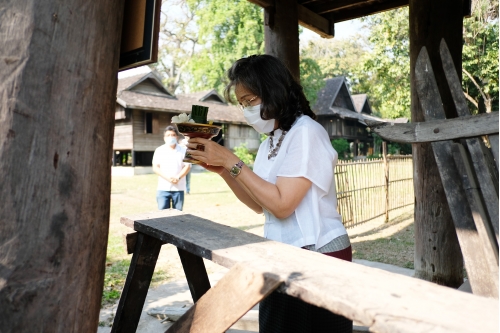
(194, 130)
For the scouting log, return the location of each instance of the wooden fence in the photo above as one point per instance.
(368, 189)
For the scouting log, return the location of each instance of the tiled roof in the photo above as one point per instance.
(217, 112)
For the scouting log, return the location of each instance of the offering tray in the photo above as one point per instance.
(194, 130)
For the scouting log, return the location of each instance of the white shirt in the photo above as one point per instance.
(171, 164)
(306, 152)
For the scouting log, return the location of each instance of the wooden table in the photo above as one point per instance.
(383, 301)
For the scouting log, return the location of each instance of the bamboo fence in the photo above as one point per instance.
(368, 189)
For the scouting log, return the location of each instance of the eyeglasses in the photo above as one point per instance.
(246, 103)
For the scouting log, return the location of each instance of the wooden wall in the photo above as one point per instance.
(143, 141)
(238, 134)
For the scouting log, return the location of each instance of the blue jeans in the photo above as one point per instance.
(167, 199)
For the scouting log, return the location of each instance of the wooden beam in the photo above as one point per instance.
(482, 158)
(361, 11)
(437, 130)
(315, 22)
(238, 291)
(306, 18)
(384, 301)
(58, 66)
(482, 276)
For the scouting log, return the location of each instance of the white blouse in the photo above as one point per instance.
(306, 152)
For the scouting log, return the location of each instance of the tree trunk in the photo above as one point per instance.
(437, 253)
(281, 34)
(58, 66)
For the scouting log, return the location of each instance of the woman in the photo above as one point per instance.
(292, 182)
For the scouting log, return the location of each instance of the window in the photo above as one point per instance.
(148, 121)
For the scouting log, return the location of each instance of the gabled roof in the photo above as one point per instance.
(335, 93)
(361, 103)
(208, 96)
(133, 93)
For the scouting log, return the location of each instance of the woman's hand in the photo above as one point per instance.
(217, 169)
(211, 153)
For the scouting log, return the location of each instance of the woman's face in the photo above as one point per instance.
(245, 97)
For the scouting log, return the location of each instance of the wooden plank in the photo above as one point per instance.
(483, 225)
(482, 158)
(383, 301)
(130, 240)
(361, 11)
(478, 269)
(137, 283)
(238, 291)
(196, 274)
(494, 147)
(437, 130)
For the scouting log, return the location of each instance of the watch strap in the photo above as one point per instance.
(236, 169)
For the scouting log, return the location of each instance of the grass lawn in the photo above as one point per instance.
(212, 199)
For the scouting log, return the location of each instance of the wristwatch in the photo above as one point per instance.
(236, 169)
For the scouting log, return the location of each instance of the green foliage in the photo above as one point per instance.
(339, 57)
(311, 78)
(388, 63)
(228, 31)
(244, 154)
(114, 279)
(480, 56)
(342, 147)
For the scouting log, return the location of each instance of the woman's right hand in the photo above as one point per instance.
(213, 168)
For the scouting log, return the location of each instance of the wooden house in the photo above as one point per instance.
(337, 113)
(144, 107)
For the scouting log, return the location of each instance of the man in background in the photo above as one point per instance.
(169, 166)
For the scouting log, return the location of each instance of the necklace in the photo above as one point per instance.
(273, 151)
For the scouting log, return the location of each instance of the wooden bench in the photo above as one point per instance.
(382, 301)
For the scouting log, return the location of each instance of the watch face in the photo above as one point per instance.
(235, 170)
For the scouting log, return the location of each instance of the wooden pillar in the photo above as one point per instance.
(437, 253)
(58, 66)
(281, 34)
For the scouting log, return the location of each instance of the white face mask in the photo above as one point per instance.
(170, 140)
(252, 115)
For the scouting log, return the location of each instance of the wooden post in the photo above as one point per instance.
(437, 254)
(386, 173)
(58, 81)
(282, 34)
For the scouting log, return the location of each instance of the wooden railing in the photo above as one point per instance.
(367, 189)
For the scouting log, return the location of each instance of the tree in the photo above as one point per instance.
(480, 56)
(388, 62)
(228, 30)
(340, 57)
(311, 79)
(177, 44)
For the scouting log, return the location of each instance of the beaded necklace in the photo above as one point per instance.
(273, 151)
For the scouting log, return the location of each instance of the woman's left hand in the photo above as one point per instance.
(211, 153)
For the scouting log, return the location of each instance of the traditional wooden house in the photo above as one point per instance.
(337, 113)
(144, 107)
(361, 104)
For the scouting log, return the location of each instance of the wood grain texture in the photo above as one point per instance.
(383, 301)
(438, 257)
(238, 291)
(494, 148)
(437, 130)
(281, 34)
(481, 157)
(480, 274)
(58, 65)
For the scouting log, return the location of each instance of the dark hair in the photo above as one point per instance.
(266, 76)
(173, 129)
